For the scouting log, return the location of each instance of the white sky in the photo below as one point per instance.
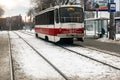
(16, 7)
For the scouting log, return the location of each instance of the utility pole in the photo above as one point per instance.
(112, 29)
(10, 23)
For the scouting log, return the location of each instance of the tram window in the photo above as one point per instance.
(37, 20)
(51, 17)
(74, 14)
(45, 18)
(56, 16)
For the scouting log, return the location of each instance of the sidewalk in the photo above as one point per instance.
(4, 56)
(106, 40)
(102, 44)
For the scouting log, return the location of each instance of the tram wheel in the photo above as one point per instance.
(46, 38)
(80, 39)
(36, 35)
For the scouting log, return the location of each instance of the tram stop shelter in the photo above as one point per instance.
(96, 27)
(117, 24)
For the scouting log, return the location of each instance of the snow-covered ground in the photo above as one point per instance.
(117, 41)
(31, 31)
(106, 58)
(72, 65)
(31, 65)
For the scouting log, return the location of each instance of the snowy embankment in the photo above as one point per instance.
(74, 66)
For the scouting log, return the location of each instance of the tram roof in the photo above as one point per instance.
(55, 7)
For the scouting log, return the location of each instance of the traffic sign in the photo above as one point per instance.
(112, 7)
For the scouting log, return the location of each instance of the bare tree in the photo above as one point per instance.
(61, 2)
(1, 11)
(43, 4)
(73, 2)
(37, 5)
(30, 14)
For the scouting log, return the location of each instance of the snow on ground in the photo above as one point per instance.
(32, 31)
(117, 39)
(30, 63)
(106, 58)
(74, 66)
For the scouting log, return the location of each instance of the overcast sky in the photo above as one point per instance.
(16, 7)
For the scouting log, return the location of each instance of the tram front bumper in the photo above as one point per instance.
(70, 35)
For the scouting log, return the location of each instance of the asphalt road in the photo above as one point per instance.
(111, 47)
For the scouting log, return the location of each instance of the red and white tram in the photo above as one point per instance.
(64, 22)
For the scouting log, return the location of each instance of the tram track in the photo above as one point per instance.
(92, 48)
(60, 72)
(103, 51)
(109, 65)
(91, 58)
(29, 33)
(11, 59)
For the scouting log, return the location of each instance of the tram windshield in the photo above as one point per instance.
(71, 14)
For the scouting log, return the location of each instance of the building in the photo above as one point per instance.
(11, 23)
(3, 24)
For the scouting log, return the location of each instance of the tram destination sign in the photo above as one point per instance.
(96, 5)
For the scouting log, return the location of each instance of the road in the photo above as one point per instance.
(111, 47)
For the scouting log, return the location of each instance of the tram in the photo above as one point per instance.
(60, 23)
